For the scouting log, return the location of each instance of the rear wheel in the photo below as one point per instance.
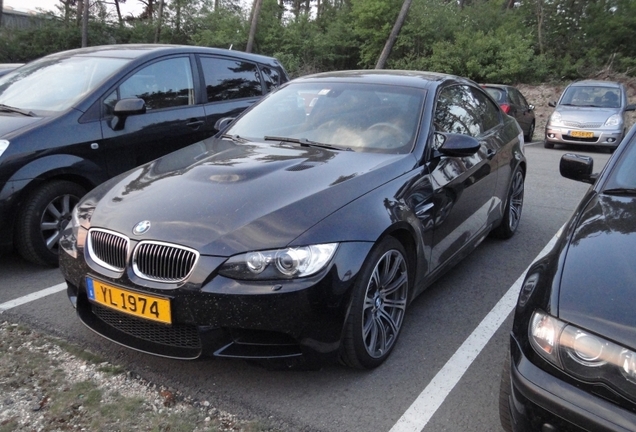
(45, 214)
(513, 207)
(530, 134)
(378, 306)
(504, 395)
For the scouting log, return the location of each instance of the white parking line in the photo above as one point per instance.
(427, 403)
(31, 297)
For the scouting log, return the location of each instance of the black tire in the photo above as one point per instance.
(378, 306)
(548, 144)
(43, 217)
(530, 134)
(513, 207)
(504, 395)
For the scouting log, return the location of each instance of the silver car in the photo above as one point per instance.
(589, 113)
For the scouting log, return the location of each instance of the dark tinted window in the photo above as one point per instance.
(230, 79)
(164, 84)
(271, 77)
(464, 110)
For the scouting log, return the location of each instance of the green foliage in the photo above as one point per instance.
(372, 21)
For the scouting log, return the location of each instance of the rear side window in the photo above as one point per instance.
(271, 77)
(465, 110)
(227, 79)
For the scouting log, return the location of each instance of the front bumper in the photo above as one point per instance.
(302, 318)
(602, 137)
(540, 401)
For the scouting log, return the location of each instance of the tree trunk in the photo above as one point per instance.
(80, 12)
(159, 22)
(394, 34)
(256, 11)
(119, 17)
(85, 24)
(1, 6)
(540, 12)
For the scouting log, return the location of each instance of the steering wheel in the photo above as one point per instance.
(398, 136)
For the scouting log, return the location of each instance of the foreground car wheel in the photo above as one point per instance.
(504, 395)
(514, 205)
(43, 218)
(378, 307)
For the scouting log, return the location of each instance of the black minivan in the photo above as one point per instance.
(72, 120)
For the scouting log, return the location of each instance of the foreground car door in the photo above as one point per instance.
(463, 186)
(172, 119)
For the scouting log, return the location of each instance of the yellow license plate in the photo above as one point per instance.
(582, 134)
(129, 302)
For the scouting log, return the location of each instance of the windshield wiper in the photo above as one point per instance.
(234, 138)
(7, 108)
(305, 142)
(620, 191)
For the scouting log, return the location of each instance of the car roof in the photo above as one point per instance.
(409, 78)
(134, 51)
(596, 83)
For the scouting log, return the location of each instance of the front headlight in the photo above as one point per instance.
(555, 119)
(4, 144)
(614, 120)
(582, 354)
(81, 221)
(285, 263)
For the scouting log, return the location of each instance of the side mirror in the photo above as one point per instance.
(630, 107)
(531, 107)
(456, 145)
(577, 167)
(552, 104)
(223, 122)
(124, 108)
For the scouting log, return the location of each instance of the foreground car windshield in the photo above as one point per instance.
(623, 175)
(367, 118)
(55, 84)
(592, 96)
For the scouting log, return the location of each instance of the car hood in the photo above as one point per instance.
(223, 198)
(12, 122)
(598, 284)
(586, 114)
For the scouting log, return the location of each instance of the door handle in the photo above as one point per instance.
(194, 123)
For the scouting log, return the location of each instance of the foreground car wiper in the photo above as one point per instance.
(620, 191)
(234, 138)
(7, 108)
(305, 142)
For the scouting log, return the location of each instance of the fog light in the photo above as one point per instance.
(551, 135)
(611, 140)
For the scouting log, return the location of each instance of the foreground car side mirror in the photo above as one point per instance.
(577, 167)
(456, 145)
(223, 122)
(124, 108)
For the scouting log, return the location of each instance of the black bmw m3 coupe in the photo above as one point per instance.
(303, 230)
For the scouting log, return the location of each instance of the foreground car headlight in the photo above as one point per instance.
(555, 119)
(582, 354)
(4, 144)
(614, 120)
(286, 263)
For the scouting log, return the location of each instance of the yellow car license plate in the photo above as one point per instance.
(582, 134)
(129, 302)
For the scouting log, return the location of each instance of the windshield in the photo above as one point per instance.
(55, 84)
(592, 96)
(359, 117)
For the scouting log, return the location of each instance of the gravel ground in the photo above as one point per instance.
(48, 385)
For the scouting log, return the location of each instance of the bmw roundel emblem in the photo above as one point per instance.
(141, 228)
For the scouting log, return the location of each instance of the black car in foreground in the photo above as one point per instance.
(572, 363)
(71, 120)
(304, 229)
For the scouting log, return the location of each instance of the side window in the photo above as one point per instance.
(271, 77)
(230, 79)
(457, 111)
(163, 84)
(487, 113)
